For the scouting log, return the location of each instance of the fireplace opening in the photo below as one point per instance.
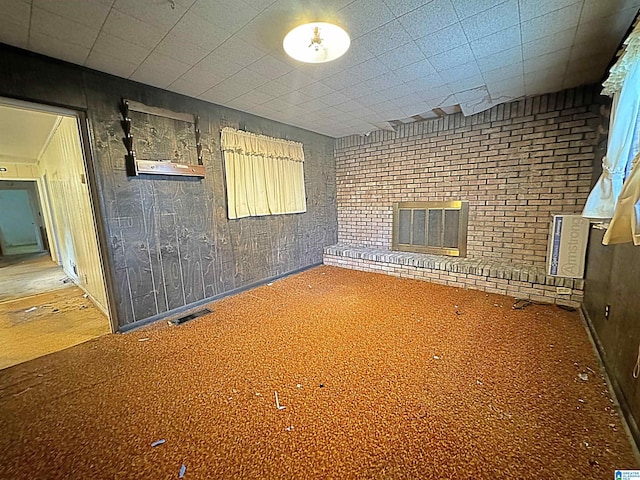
(431, 227)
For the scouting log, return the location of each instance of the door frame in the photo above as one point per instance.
(84, 131)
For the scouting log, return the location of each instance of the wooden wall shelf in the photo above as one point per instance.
(158, 167)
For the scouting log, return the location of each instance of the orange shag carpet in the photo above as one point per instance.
(376, 377)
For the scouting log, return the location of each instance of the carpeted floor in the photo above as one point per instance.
(380, 378)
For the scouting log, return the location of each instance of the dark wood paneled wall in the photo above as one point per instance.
(169, 243)
(613, 280)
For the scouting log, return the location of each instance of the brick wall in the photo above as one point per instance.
(516, 164)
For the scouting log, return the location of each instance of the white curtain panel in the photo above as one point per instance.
(264, 175)
(621, 149)
(623, 84)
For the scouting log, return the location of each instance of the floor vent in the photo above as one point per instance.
(191, 316)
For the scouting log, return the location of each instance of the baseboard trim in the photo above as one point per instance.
(620, 402)
(196, 305)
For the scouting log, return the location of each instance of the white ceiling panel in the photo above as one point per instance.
(90, 13)
(116, 65)
(550, 23)
(529, 9)
(456, 56)
(51, 46)
(69, 31)
(443, 40)
(429, 18)
(500, 59)
(549, 44)
(14, 34)
(133, 30)
(498, 18)
(149, 11)
(17, 12)
(400, 7)
(496, 42)
(405, 55)
(468, 8)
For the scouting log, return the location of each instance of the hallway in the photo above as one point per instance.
(41, 310)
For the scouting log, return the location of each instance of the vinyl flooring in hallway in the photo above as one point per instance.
(41, 311)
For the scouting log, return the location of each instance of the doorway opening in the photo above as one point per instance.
(53, 292)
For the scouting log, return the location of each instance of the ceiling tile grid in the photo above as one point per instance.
(407, 57)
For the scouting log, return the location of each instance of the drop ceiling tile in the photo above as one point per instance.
(497, 60)
(552, 43)
(551, 23)
(400, 7)
(611, 28)
(468, 8)
(193, 29)
(133, 30)
(239, 51)
(54, 47)
(270, 68)
(333, 99)
(160, 14)
(240, 83)
(219, 65)
(296, 79)
(229, 15)
(16, 12)
(201, 77)
(107, 63)
(443, 40)
(362, 16)
(366, 70)
(462, 84)
(545, 75)
(392, 93)
(89, 13)
(497, 42)
(173, 47)
(118, 48)
(381, 82)
(401, 56)
(187, 88)
(14, 34)
(474, 101)
(596, 64)
(385, 38)
(595, 9)
(429, 18)
(416, 70)
(457, 56)
(316, 90)
(529, 9)
(160, 70)
(558, 58)
(217, 95)
(503, 73)
(312, 106)
(255, 97)
(67, 31)
(509, 84)
(274, 88)
(461, 72)
(429, 89)
(498, 18)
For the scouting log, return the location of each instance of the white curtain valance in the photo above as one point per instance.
(251, 144)
(264, 175)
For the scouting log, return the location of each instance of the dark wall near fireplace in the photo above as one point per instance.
(167, 240)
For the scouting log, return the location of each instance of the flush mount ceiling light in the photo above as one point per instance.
(316, 42)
